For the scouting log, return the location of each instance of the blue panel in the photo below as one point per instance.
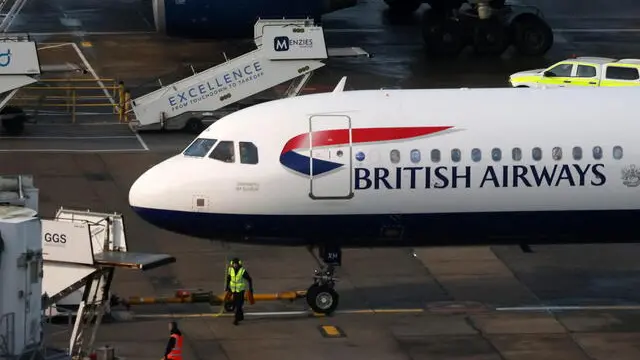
(419, 229)
(231, 18)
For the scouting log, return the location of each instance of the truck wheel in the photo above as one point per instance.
(442, 35)
(403, 6)
(531, 35)
(14, 126)
(194, 126)
(489, 37)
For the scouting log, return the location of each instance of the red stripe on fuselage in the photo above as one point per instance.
(341, 136)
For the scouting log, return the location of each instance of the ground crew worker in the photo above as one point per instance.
(236, 286)
(174, 346)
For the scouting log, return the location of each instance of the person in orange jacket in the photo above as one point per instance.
(174, 345)
(235, 285)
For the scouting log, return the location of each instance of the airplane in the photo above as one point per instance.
(406, 168)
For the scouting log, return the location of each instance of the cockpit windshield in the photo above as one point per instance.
(200, 147)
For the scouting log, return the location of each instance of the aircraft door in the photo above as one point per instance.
(330, 156)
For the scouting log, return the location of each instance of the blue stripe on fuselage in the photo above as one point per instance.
(302, 164)
(418, 229)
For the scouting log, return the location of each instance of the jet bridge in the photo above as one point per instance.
(285, 50)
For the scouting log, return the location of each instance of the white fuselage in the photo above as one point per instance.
(388, 176)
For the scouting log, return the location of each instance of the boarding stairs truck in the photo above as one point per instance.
(19, 66)
(286, 50)
(77, 250)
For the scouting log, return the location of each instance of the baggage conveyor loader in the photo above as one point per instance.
(285, 50)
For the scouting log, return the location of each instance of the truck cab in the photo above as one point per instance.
(581, 71)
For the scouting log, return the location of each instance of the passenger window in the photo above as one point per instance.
(586, 71)
(394, 155)
(496, 154)
(621, 73)
(224, 152)
(597, 152)
(415, 156)
(617, 152)
(516, 154)
(536, 153)
(435, 155)
(577, 153)
(562, 70)
(476, 154)
(455, 155)
(200, 147)
(248, 153)
(556, 153)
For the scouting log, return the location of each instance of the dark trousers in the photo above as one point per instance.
(238, 302)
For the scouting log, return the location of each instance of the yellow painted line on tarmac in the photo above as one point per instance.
(282, 313)
(86, 44)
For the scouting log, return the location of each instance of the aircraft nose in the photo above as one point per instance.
(151, 193)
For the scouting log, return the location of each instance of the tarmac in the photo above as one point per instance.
(559, 302)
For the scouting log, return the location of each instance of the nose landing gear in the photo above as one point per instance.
(321, 296)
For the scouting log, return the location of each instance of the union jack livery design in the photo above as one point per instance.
(292, 159)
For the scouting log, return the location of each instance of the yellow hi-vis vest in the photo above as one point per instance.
(237, 283)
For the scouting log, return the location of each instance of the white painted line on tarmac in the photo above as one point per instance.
(560, 39)
(68, 137)
(54, 113)
(76, 125)
(73, 150)
(280, 313)
(140, 140)
(53, 46)
(106, 92)
(586, 31)
(93, 72)
(91, 33)
(560, 30)
(570, 308)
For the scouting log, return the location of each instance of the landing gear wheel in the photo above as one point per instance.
(403, 6)
(489, 37)
(442, 35)
(322, 299)
(531, 35)
(194, 126)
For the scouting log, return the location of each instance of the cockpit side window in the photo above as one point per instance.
(224, 152)
(248, 153)
(200, 147)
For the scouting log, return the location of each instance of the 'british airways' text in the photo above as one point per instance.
(443, 177)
